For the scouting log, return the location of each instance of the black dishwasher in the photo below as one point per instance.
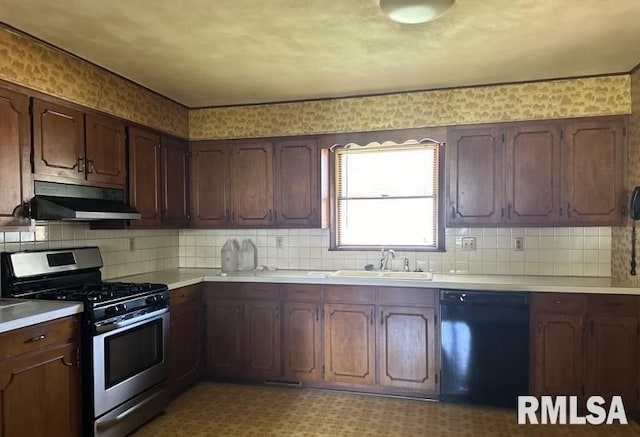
(484, 347)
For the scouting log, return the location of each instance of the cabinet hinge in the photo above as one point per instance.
(624, 131)
(78, 356)
(503, 138)
(323, 369)
(561, 134)
(436, 378)
(435, 319)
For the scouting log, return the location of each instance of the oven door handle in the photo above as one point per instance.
(101, 329)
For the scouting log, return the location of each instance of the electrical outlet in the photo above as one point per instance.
(468, 243)
(518, 244)
(279, 242)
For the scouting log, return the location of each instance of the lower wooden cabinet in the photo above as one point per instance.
(557, 346)
(186, 338)
(302, 342)
(40, 380)
(349, 343)
(224, 336)
(350, 337)
(408, 347)
(262, 339)
(585, 345)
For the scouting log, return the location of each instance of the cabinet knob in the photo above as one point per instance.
(80, 164)
(37, 338)
(539, 327)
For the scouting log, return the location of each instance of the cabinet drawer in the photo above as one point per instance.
(24, 340)
(407, 296)
(222, 290)
(559, 302)
(297, 292)
(615, 305)
(349, 293)
(184, 294)
(260, 291)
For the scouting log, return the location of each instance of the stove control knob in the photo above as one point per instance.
(109, 311)
(151, 299)
(160, 297)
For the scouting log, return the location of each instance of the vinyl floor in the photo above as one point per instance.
(216, 409)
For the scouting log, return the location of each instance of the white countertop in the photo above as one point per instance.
(27, 312)
(182, 277)
(18, 313)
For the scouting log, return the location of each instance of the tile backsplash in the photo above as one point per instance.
(546, 251)
(124, 252)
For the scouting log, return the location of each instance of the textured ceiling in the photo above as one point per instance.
(227, 52)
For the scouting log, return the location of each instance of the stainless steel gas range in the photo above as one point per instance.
(125, 333)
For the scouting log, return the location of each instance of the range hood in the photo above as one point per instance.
(53, 201)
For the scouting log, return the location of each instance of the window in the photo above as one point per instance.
(387, 196)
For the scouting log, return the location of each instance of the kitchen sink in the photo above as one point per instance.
(383, 274)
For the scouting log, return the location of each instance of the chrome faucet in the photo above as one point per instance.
(384, 258)
(405, 264)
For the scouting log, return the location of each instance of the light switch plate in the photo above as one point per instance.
(468, 243)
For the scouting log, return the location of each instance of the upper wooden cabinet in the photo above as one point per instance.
(175, 182)
(475, 176)
(210, 184)
(532, 173)
(158, 182)
(564, 172)
(145, 177)
(15, 169)
(61, 153)
(105, 151)
(255, 183)
(252, 183)
(297, 200)
(594, 173)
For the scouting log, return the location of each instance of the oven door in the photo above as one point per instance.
(128, 358)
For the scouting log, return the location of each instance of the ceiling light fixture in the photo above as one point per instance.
(415, 11)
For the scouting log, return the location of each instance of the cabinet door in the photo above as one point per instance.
(58, 142)
(252, 183)
(105, 151)
(532, 174)
(15, 142)
(262, 339)
(594, 154)
(296, 183)
(475, 181)
(612, 358)
(210, 184)
(558, 354)
(302, 342)
(349, 342)
(407, 347)
(175, 191)
(186, 345)
(224, 337)
(40, 393)
(144, 177)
